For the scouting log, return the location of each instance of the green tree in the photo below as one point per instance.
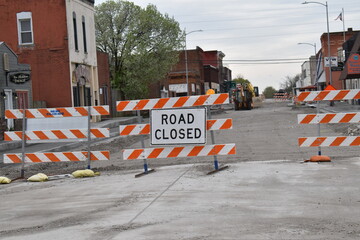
(269, 92)
(290, 83)
(142, 45)
(240, 79)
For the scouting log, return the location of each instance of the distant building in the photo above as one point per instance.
(351, 72)
(337, 40)
(57, 38)
(308, 73)
(205, 70)
(15, 83)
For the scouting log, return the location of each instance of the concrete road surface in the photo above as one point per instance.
(250, 200)
(266, 193)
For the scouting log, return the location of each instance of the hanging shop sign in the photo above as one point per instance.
(353, 64)
(19, 78)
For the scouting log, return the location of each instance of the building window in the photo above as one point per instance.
(84, 33)
(25, 28)
(75, 32)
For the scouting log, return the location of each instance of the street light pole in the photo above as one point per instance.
(317, 102)
(314, 45)
(186, 61)
(328, 34)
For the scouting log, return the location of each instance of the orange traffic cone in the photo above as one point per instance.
(319, 158)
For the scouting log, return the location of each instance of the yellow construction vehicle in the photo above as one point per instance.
(243, 96)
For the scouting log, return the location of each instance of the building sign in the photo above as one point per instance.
(178, 126)
(334, 62)
(19, 78)
(178, 88)
(353, 64)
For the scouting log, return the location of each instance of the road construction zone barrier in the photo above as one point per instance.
(321, 118)
(187, 151)
(57, 134)
(57, 157)
(46, 130)
(177, 121)
(332, 95)
(281, 97)
(57, 112)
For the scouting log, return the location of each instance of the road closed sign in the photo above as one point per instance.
(178, 126)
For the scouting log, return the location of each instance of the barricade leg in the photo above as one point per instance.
(23, 142)
(216, 163)
(146, 169)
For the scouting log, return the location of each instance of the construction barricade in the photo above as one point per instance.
(281, 97)
(322, 118)
(49, 125)
(176, 121)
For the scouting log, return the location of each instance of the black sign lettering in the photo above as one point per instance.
(181, 133)
(173, 133)
(164, 118)
(182, 119)
(197, 133)
(156, 134)
(190, 118)
(172, 118)
(189, 133)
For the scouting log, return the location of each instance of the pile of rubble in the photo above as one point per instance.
(353, 130)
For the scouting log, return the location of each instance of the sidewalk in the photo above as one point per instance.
(338, 107)
(107, 123)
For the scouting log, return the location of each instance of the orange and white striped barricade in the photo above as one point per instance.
(329, 141)
(51, 135)
(184, 151)
(322, 118)
(58, 112)
(56, 135)
(175, 102)
(57, 157)
(167, 107)
(332, 95)
(281, 97)
(329, 118)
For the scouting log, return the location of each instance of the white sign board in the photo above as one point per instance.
(178, 88)
(178, 126)
(334, 62)
(34, 124)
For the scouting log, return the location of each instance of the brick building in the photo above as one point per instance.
(351, 72)
(205, 70)
(57, 39)
(336, 49)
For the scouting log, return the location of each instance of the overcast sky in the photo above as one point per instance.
(258, 30)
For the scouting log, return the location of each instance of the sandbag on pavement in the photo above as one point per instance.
(4, 180)
(83, 173)
(40, 177)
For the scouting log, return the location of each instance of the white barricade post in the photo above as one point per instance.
(177, 121)
(322, 118)
(49, 125)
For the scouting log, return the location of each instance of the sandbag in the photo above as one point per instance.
(83, 173)
(5, 180)
(40, 177)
